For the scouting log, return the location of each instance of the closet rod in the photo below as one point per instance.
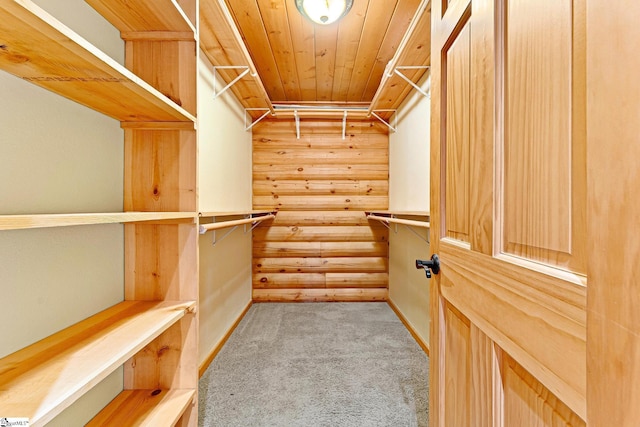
(388, 219)
(224, 224)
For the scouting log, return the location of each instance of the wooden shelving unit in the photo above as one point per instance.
(153, 333)
(41, 380)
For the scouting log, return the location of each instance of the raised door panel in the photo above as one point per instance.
(544, 151)
(457, 137)
(527, 402)
(457, 384)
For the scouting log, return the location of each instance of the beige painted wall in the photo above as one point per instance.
(57, 156)
(224, 148)
(409, 191)
(224, 179)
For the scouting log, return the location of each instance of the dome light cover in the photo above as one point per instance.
(324, 12)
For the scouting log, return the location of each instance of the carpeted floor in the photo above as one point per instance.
(317, 364)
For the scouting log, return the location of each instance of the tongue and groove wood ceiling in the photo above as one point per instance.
(301, 63)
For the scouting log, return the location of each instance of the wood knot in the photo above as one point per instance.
(16, 59)
(163, 350)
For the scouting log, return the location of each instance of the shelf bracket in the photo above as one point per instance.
(295, 114)
(394, 127)
(246, 71)
(406, 79)
(344, 125)
(256, 121)
(410, 228)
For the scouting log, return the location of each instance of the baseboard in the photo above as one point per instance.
(320, 295)
(412, 331)
(222, 342)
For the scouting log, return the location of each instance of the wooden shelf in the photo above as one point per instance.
(222, 43)
(145, 408)
(144, 16)
(41, 380)
(38, 48)
(20, 222)
(413, 51)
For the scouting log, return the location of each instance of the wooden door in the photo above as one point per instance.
(508, 197)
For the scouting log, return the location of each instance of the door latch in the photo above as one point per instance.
(429, 266)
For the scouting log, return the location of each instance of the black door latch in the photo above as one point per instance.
(429, 266)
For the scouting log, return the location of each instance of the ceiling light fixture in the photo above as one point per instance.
(324, 12)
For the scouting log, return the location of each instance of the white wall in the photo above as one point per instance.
(56, 157)
(409, 191)
(224, 180)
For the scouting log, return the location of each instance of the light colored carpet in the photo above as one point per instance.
(317, 364)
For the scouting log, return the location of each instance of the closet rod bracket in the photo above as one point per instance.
(344, 125)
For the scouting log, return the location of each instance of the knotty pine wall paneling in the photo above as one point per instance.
(320, 247)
